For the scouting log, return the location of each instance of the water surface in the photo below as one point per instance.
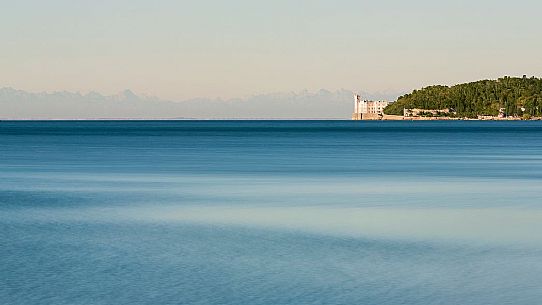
(270, 212)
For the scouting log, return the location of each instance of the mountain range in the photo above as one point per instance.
(322, 104)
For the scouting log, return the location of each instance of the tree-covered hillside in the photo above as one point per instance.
(483, 97)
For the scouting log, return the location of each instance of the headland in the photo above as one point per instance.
(507, 98)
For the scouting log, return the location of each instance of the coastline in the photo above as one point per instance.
(387, 117)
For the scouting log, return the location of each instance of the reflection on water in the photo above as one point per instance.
(276, 212)
(490, 225)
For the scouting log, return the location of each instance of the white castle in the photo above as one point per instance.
(368, 110)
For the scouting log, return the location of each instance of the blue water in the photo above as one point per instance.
(270, 212)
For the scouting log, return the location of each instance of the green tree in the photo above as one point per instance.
(483, 97)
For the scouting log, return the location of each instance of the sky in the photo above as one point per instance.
(180, 50)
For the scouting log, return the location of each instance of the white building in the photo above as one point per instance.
(370, 108)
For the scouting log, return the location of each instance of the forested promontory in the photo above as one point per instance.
(515, 96)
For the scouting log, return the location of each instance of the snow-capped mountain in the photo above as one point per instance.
(19, 104)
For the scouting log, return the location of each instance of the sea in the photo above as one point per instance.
(270, 212)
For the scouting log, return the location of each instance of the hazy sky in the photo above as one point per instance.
(184, 49)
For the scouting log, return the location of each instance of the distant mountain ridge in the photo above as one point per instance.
(19, 104)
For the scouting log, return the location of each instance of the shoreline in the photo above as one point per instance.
(387, 117)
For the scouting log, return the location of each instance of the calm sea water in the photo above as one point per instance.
(270, 212)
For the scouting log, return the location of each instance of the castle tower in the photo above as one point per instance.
(357, 115)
